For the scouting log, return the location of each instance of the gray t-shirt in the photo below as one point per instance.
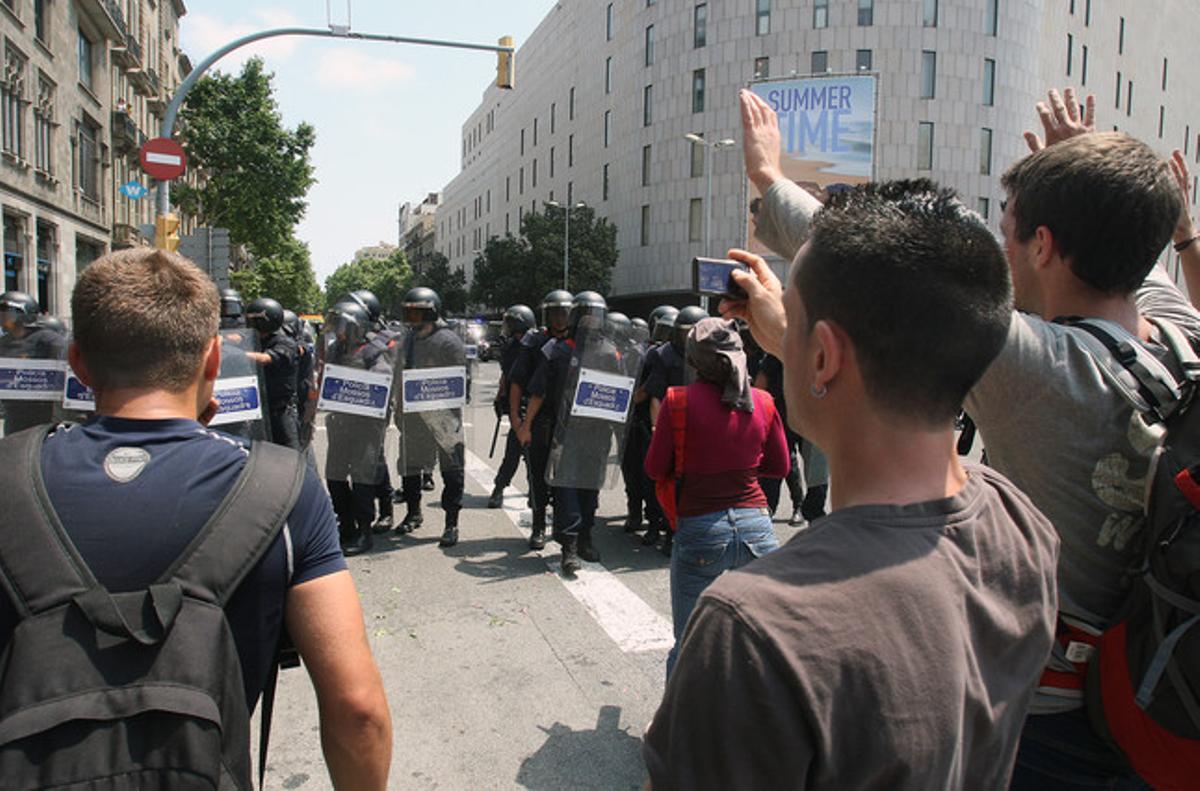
(886, 647)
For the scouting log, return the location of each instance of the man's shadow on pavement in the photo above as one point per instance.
(606, 757)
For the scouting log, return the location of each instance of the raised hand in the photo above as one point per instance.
(1062, 118)
(760, 140)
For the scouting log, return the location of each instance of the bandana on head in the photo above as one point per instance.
(714, 349)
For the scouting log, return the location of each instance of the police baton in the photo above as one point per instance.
(495, 436)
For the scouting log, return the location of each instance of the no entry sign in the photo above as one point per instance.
(163, 159)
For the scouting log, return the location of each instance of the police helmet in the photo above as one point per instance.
(518, 319)
(231, 304)
(18, 307)
(264, 314)
(619, 325)
(557, 301)
(52, 323)
(422, 306)
(684, 321)
(369, 301)
(291, 324)
(639, 329)
(349, 321)
(588, 310)
(662, 323)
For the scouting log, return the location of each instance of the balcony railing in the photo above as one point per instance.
(106, 16)
(124, 132)
(128, 55)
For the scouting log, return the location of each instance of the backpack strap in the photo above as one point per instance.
(39, 567)
(242, 528)
(1179, 345)
(1147, 384)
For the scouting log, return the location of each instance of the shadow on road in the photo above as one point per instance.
(497, 558)
(606, 757)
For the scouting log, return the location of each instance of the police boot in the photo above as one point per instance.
(497, 498)
(570, 556)
(652, 535)
(668, 543)
(412, 520)
(450, 534)
(587, 550)
(363, 542)
(427, 482)
(537, 539)
(384, 523)
(633, 522)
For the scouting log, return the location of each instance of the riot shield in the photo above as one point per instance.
(592, 422)
(78, 403)
(240, 388)
(356, 395)
(433, 393)
(32, 374)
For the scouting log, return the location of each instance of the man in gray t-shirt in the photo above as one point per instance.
(1086, 218)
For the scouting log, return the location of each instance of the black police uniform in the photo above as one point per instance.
(512, 446)
(530, 358)
(306, 367)
(280, 378)
(665, 368)
(809, 504)
(442, 347)
(381, 341)
(639, 489)
(35, 343)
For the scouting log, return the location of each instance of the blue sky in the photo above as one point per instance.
(387, 116)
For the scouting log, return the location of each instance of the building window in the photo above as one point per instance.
(522, 142)
(762, 68)
(521, 181)
(645, 235)
(925, 146)
(608, 74)
(985, 152)
(12, 104)
(43, 128)
(85, 60)
(1162, 120)
(983, 207)
(88, 154)
(1083, 60)
(762, 17)
(1118, 100)
(551, 161)
(535, 125)
(608, 23)
(1070, 52)
(697, 169)
(928, 74)
(698, 81)
(1087, 13)
(507, 188)
(647, 104)
(1164, 80)
(14, 250)
(604, 183)
(47, 245)
(991, 21)
(700, 25)
(862, 60)
(645, 166)
(649, 45)
(820, 13)
(1121, 37)
(929, 13)
(571, 151)
(989, 82)
(1129, 97)
(39, 23)
(607, 127)
(696, 220)
(819, 62)
(571, 104)
(552, 114)
(866, 13)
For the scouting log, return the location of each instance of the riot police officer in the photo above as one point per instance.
(662, 319)
(281, 359)
(231, 310)
(536, 435)
(431, 433)
(518, 320)
(306, 366)
(26, 337)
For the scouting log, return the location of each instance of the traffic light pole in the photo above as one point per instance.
(504, 49)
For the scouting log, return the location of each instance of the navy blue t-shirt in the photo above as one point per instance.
(130, 532)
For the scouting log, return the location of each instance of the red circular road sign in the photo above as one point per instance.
(163, 159)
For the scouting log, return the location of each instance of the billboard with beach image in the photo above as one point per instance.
(827, 126)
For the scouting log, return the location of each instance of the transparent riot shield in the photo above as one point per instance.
(430, 403)
(355, 394)
(32, 375)
(78, 404)
(240, 388)
(592, 423)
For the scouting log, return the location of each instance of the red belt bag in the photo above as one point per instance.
(666, 490)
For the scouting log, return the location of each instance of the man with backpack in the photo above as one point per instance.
(1095, 376)
(149, 565)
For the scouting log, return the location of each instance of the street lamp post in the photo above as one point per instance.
(698, 140)
(566, 238)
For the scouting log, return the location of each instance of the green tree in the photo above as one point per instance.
(388, 279)
(287, 277)
(256, 171)
(451, 285)
(523, 269)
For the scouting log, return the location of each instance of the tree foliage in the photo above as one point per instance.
(257, 171)
(287, 276)
(387, 278)
(451, 285)
(523, 269)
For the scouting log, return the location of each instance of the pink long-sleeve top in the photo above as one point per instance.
(725, 451)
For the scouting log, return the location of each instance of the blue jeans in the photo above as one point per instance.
(706, 546)
(1061, 752)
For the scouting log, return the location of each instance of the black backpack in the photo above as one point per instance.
(1143, 682)
(140, 690)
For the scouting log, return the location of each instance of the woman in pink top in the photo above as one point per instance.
(732, 436)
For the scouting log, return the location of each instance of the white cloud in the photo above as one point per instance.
(354, 69)
(202, 34)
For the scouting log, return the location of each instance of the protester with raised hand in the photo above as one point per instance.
(1185, 238)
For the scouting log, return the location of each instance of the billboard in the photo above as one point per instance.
(827, 130)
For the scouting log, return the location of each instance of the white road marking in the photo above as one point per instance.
(633, 625)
